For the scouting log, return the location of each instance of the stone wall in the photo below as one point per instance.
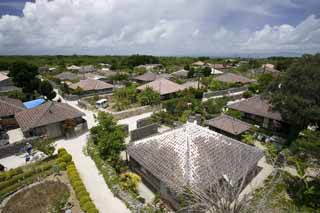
(144, 122)
(16, 147)
(144, 132)
(135, 111)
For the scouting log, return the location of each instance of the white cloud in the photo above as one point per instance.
(166, 27)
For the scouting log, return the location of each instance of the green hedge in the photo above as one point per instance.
(82, 194)
(20, 178)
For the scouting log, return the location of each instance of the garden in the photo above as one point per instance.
(44, 186)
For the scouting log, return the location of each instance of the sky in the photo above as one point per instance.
(160, 27)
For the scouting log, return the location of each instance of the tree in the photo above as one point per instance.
(296, 94)
(46, 89)
(148, 97)
(191, 73)
(264, 80)
(22, 73)
(109, 137)
(46, 146)
(206, 71)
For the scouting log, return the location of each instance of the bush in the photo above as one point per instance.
(92, 210)
(62, 166)
(130, 180)
(88, 205)
(62, 151)
(84, 199)
(81, 193)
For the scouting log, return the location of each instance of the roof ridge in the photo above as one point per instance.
(46, 109)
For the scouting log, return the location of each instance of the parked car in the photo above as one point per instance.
(276, 139)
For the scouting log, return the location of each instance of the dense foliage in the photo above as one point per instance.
(109, 137)
(148, 97)
(296, 94)
(24, 75)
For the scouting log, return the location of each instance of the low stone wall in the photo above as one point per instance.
(144, 122)
(16, 147)
(226, 92)
(135, 111)
(144, 132)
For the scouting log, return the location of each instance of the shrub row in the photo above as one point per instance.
(25, 178)
(82, 194)
(64, 158)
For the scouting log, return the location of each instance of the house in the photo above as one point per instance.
(73, 68)
(51, 119)
(90, 86)
(107, 73)
(6, 84)
(234, 78)
(268, 66)
(146, 77)
(259, 110)
(88, 68)
(180, 73)
(228, 126)
(193, 84)
(191, 156)
(67, 76)
(8, 108)
(163, 86)
(46, 69)
(94, 76)
(198, 64)
(149, 67)
(262, 70)
(215, 71)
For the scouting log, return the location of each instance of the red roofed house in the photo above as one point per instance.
(51, 119)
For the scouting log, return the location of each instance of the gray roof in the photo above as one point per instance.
(234, 78)
(147, 77)
(181, 73)
(67, 76)
(257, 105)
(47, 113)
(91, 84)
(163, 86)
(229, 124)
(194, 156)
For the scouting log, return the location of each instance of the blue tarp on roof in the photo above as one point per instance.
(34, 103)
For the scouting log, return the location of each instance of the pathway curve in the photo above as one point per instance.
(101, 195)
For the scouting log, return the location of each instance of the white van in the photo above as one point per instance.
(102, 103)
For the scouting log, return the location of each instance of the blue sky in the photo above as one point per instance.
(160, 27)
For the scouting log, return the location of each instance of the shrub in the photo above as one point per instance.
(62, 151)
(66, 158)
(84, 199)
(130, 180)
(62, 166)
(92, 210)
(88, 205)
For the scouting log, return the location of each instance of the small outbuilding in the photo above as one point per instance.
(228, 126)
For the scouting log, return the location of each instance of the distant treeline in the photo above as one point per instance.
(120, 62)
